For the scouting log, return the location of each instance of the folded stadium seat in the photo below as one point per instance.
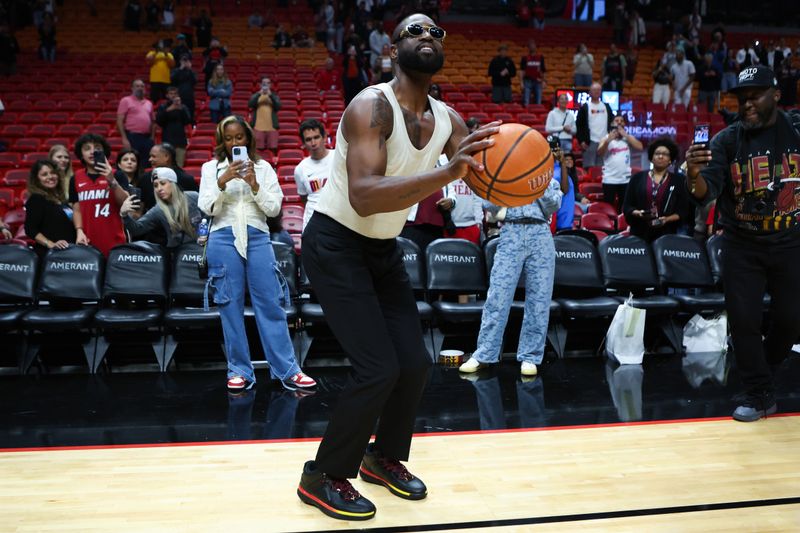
(16, 178)
(69, 130)
(93, 105)
(70, 286)
(57, 117)
(134, 297)
(477, 98)
(84, 117)
(13, 131)
(290, 193)
(18, 267)
(8, 200)
(538, 109)
(288, 142)
(100, 129)
(622, 224)
(292, 223)
(597, 221)
(14, 218)
(682, 262)
(628, 267)
(186, 320)
(308, 114)
(114, 142)
(72, 105)
(286, 173)
(599, 234)
(605, 208)
(31, 157)
(202, 143)
(9, 160)
(197, 157)
(18, 104)
(290, 156)
(596, 176)
(465, 108)
(288, 116)
(204, 130)
(518, 305)
(505, 117)
(579, 288)
(106, 117)
(529, 119)
(454, 267)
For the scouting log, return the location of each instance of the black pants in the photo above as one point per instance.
(615, 194)
(748, 270)
(141, 142)
(364, 290)
(158, 91)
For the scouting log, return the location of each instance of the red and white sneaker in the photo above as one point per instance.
(238, 383)
(299, 381)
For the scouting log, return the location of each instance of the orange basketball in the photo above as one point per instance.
(516, 170)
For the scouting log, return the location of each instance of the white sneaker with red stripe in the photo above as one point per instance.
(299, 381)
(237, 383)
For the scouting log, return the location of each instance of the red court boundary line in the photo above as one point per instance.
(416, 435)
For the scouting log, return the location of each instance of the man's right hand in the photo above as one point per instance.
(697, 157)
(126, 143)
(476, 141)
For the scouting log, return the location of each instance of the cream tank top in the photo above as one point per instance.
(403, 159)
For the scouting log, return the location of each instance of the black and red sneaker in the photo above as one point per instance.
(392, 474)
(335, 497)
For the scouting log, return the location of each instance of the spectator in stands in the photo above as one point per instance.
(214, 55)
(255, 21)
(132, 16)
(619, 21)
(47, 38)
(593, 123)
(59, 155)
(502, 71)
(531, 71)
(631, 60)
(152, 13)
(730, 71)
(135, 120)
(656, 201)
(695, 24)
(220, 89)
(48, 217)
(710, 81)
(614, 65)
(537, 15)
(95, 195)
(466, 212)
(526, 244)
(584, 66)
(572, 171)
(670, 55)
(160, 61)
(682, 73)
(615, 148)
(787, 81)
(264, 106)
(282, 38)
(173, 117)
(239, 196)
(300, 38)
(329, 14)
(168, 15)
(565, 215)
(166, 155)
(746, 56)
(383, 70)
(661, 82)
(175, 217)
(9, 48)
(129, 168)
(377, 39)
(774, 56)
(203, 26)
(313, 172)
(637, 32)
(181, 48)
(354, 77)
(329, 79)
(427, 219)
(184, 79)
(561, 123)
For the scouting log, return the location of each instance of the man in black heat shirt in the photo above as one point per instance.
(752, 168)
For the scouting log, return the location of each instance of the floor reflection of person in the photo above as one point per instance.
(530, 401)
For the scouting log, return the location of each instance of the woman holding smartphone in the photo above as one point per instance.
(656, 202)
(48, 217)
(239, 190)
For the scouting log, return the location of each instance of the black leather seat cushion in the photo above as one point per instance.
(291, 312)
(425, 310)
(588, 307)
(10, 318)
(455, 312)
(187, 317)
(57, 320)
(713, 301)
(655, 303)
(312, 311)
(128, 318)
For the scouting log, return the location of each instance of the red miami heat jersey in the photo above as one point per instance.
(100, 213)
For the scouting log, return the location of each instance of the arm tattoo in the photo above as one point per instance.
(382, 119)
(408, 194)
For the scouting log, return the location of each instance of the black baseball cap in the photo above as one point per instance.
(760, 76)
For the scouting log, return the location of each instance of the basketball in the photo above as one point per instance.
(516, 170)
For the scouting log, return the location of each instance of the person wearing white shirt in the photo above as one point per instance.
(561, 122)
(682, 73)
(377, 39)
(592, 124)
(313, 172)
(615, 149)
(240, 195)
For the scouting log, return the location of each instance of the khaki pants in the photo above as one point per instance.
(180, 156)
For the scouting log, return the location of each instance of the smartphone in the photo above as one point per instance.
(99, 157)
(240, 154)
(137, 192)
(701, 132)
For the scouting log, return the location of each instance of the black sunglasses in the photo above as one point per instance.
(415, 30)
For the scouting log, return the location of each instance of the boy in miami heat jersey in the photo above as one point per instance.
(96, 196)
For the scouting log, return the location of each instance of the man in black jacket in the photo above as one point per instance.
(185, 79)
(752, 169)
(502, 70)
(593, 123)
(173, 117)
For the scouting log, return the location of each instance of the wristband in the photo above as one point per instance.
(78, 229)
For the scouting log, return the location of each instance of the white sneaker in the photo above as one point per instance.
(471, 365)
(528, 369)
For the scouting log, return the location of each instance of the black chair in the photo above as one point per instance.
(682, 262)
(413, 260)
(70, 288)
(18, 266)
(518, 305)
(579, 288)
(134, 297)
(585, 233)
(454, 267)
(628, 267)
(186, 320)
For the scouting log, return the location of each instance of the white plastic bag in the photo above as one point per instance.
(701, 335)
(625, 337)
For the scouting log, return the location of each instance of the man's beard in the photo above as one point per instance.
(410, 60)
(762, 117)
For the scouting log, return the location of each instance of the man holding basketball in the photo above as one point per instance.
(390, 138)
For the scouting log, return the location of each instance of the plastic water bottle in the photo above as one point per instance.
(202, 232)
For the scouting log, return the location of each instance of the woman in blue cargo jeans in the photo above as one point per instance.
(239, 195)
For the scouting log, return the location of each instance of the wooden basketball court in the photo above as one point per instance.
(697, 475)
